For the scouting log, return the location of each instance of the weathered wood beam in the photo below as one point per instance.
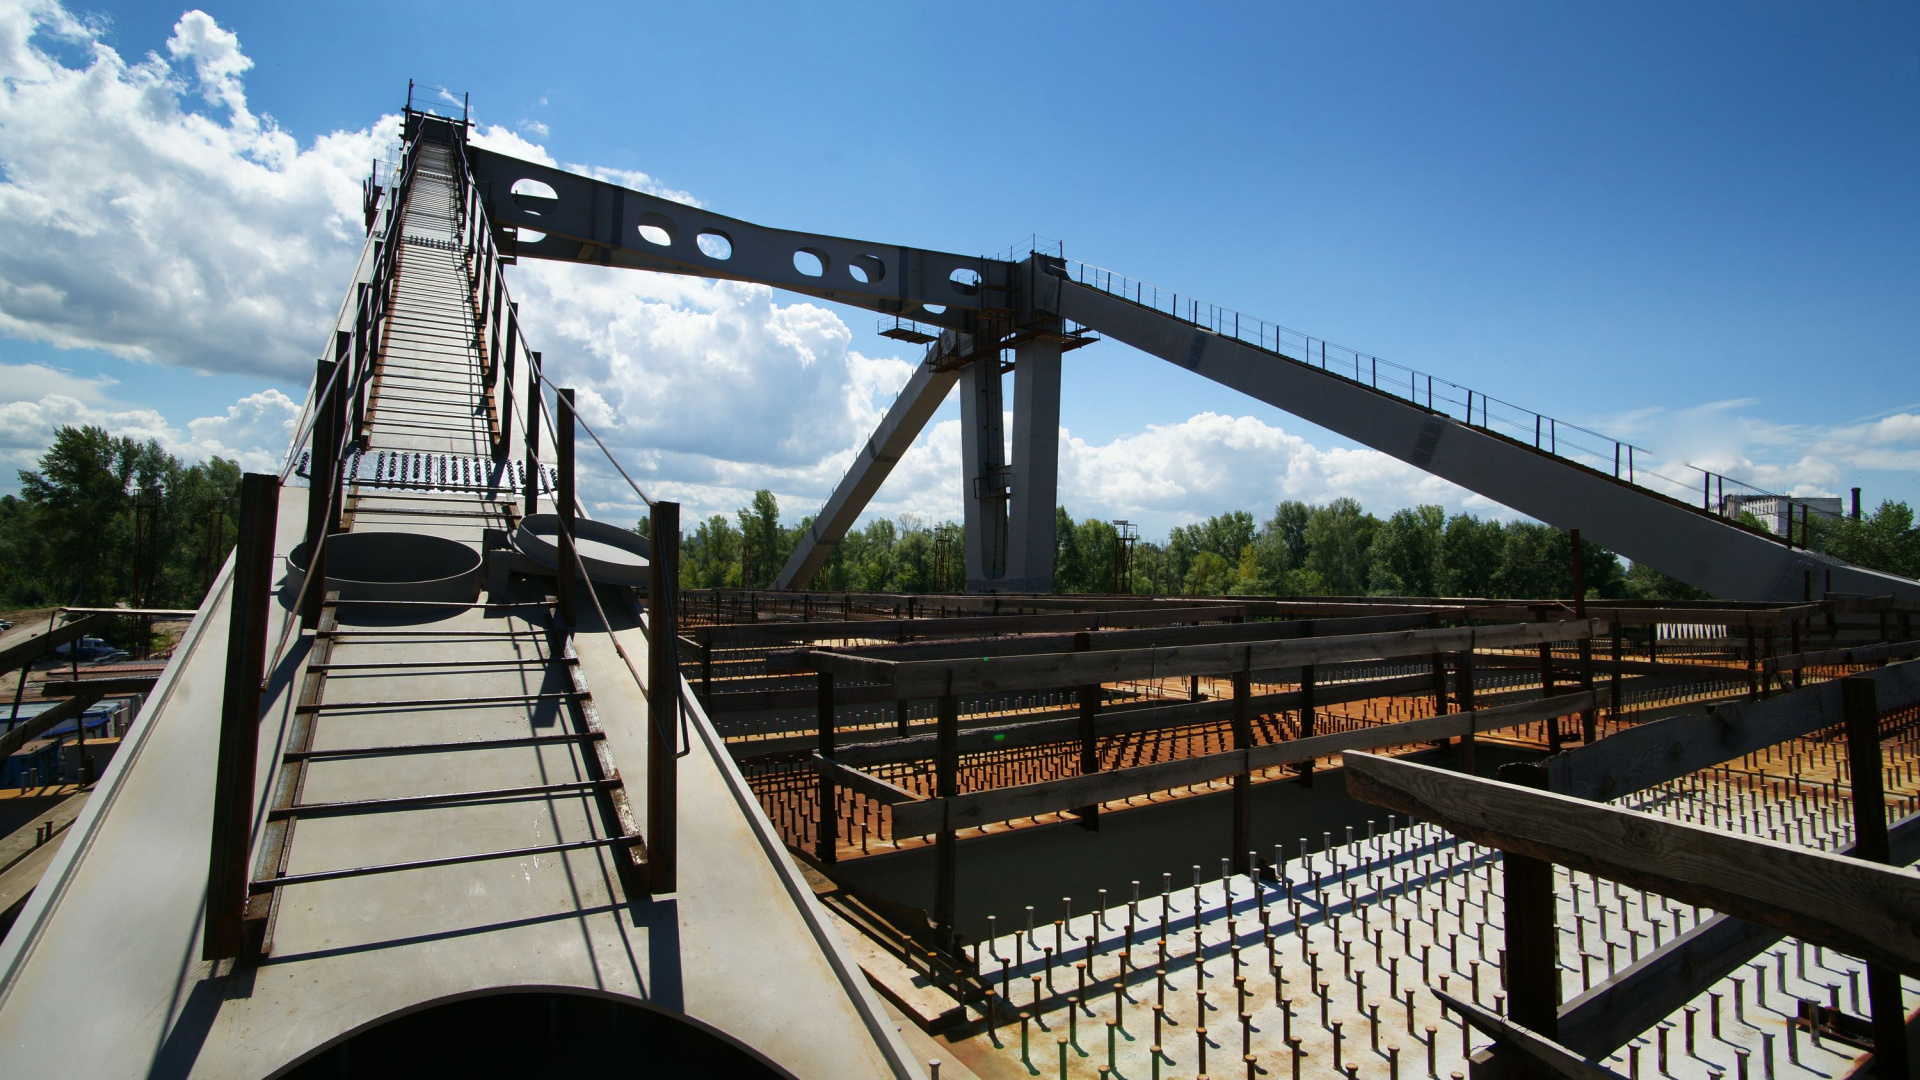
(1655, 752)
(796, 660)
(1122, 720)
(1860, 908)
(1615, 1012)
(1542, 1053)
(873, 787)
(1626, 667)
(909, 629)
(1864, 654)
(917, 679)
(1027, 800)
(26, 651)
(33, 727)
(99, 688)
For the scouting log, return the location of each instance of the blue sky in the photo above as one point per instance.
(1691, 225)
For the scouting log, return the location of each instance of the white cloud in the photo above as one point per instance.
(145, 211)
(1214, 462)
(253, 431)
(30, 381)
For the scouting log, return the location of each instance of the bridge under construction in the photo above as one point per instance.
(446, 777)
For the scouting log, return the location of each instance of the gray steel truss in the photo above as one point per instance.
(592, 221)
(1009, 504)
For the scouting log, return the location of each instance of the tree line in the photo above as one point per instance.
(108, 518)
(1302, 549)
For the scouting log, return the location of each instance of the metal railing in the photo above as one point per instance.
(435, 101)
(1709, 491)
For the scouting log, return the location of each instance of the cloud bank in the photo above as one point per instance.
(147, 210)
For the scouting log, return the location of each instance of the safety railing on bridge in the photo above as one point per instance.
(1706, 490)
(333, 422)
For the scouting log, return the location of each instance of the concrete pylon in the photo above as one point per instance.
(1009, 506)
(984, 473)
(1036, 466)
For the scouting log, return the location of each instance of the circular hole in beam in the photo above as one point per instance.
(965, 282)
(866, 269)
(810, 261)
(658, 230)
(715, 245)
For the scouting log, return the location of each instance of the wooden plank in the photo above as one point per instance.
(908, 629)
(799, 698)
(1864, 654)
(1615, 1012)
(109, 687)
(32, 727)
(1027, 800)
(1428, 729)
(796, 660)
(249, 600)
(664, 707)
(1122, 720)
(934, 678)
(27, 650)
(1860, 908)
(1628, 667)
(873, 787)
(1536, 1050)
(1653, 753)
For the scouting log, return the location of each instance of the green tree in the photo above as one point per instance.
(1469, 556)
(1339, 546)
(1405, 552)
(710, 558)
(1208, 575)
(1886, 540)
(767, 544)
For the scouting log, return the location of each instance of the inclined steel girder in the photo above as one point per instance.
(592, 221)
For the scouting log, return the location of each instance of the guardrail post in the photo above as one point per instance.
(1859, 701)
(1088, 698)
(249, 601)
(1533, 942)
(1242, 781)
(1546, 691)
(320, 468)
(505, 405)
(1613, 681)
(362, 363)
(826, 838)
(1463, 693)
(563, 499)
(947, 786)
(663, 697)
(1306, 706)
(533, 434)
(1589, 717)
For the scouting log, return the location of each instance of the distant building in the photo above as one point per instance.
(1774, 510)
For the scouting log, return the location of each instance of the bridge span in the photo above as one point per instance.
(441, 858)
(423, 790)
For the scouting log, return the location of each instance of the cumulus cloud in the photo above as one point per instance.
(1725, 438)
(254, 431)
(147, 212)
(30, 381)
